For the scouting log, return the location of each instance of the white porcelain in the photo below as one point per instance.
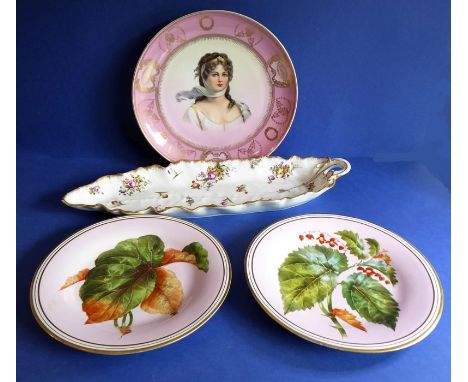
(204, 188)
(344, 283)
(171, 296)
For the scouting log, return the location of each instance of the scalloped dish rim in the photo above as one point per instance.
(332, 177)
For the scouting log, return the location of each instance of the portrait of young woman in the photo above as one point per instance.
(213, 94)
(212, 106)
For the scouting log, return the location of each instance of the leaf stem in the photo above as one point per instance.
(130, 314)
(329, 302)
(322, 308)
(123, 323)
(333, 318)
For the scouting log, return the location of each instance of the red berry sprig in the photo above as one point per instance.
(322, 240)
(370, 272)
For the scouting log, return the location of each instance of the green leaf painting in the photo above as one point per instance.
(374, 247)
(370, 299)
(200, 253)
(147, 249)
(309, 276)
(354, 243)
(129, 275)
(111, 290)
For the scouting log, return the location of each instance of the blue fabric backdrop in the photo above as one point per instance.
(374, 87)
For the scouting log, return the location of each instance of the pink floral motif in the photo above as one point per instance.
(95, 190)
(136, 183)
(213, 174)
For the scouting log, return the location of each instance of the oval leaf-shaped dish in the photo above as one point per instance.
(130, 284)
(222, 56)
(344, 283)
(203, 188)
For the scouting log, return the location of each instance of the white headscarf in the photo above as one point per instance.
(198, 91)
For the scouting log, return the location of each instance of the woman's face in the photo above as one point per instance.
(218, 79)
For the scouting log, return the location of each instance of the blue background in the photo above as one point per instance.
(374, 87)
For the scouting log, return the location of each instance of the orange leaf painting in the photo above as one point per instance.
(167, 295)
(349, 318)
(109, 297)
(81, 275)
(384, 256)
(102, 310)
(176, 256)
(131, 275)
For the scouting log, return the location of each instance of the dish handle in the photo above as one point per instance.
(335, 168)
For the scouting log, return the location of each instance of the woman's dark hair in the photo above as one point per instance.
(208, 62)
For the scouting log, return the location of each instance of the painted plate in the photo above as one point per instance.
(130, 284)
(344, 283)
(214, 85)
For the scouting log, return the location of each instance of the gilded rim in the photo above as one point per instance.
(224, 290)
(433, 317)
(327, 164)
(256, 23)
